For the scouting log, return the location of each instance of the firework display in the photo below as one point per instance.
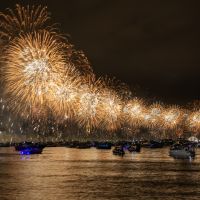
(32, 63)
(43, 76)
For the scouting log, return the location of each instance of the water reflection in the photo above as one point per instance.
(25, 157)
(64, 173)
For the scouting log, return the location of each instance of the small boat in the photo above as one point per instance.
(25, 145)
(84, 145)
(103, 145)
(181, 151)
(118, 151)
(27, 148)
(31, 150)
(156, 144)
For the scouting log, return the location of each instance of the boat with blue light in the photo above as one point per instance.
(28, 148)
(31, 150)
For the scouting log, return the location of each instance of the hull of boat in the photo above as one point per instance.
(30, 151)
(181, 154)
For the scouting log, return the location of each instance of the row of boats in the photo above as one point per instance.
(179, 150)
(182, 149)
(120, 150)
(27, 148)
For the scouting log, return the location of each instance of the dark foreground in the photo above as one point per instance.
(61, 173)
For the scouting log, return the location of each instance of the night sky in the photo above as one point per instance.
(153, 46)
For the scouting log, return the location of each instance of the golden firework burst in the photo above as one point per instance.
(193, 121)
(23, 20)
(88, 113)
(32, 63)
(64, 95)
(134, 111)
(153, 116)
(172, 117)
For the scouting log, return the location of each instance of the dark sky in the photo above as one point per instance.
(153, 46)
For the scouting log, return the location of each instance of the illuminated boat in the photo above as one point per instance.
(180, 151)
(27, 148)
(31, 150)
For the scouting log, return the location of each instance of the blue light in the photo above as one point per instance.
(25, 152)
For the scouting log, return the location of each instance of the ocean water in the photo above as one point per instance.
(62, 173)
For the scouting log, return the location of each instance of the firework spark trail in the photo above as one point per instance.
(23, 20)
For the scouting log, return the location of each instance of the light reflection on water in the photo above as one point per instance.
(64, 173)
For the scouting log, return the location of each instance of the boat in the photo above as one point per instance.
(156, 144)
(118, 151)
(25, 145)
(182, 151)
(31, 150)
(27, 148)
(103, 145)
(84, 145)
